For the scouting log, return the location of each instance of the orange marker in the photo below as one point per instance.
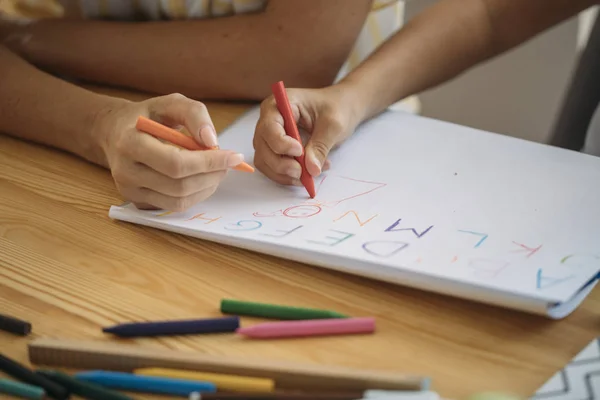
(171, 135)
(291, 130)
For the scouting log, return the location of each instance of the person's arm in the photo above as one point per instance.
(439, 44)
(41, 108)
(449, 38)
(38, 107)
(303, 42)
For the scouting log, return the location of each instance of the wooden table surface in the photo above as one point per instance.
(69, 269)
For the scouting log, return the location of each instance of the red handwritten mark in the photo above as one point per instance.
(321, 184)
(455, 259)
(419, 260)
(273, 214)
(529, 250)
(357, 218)
(200, 216)
(337, 202)
(301, 211)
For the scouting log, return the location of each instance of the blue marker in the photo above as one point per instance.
(146, 384)
(177, 327)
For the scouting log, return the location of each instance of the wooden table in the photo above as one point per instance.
(69, 269)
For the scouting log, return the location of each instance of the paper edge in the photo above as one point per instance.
(401, 278)
(562, 310)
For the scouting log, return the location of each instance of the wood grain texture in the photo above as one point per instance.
(69, 269)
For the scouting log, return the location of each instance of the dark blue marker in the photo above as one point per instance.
(179, 327)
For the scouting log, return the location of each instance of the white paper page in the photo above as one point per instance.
(419, 195)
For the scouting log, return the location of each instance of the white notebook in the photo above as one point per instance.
(421, 203)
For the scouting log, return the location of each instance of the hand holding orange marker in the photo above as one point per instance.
(289, 125)
(160, 131)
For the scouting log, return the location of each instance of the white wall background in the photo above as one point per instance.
(518, 93)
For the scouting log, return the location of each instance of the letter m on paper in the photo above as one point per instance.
(394, 228)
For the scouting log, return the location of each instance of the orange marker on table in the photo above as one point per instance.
(291, 130)
(160, 131)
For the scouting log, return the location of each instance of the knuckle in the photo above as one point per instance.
(320, 148)
(278, 145)
(208, 192)
(335, 123)
(280, 167)
(209, 163)
(197, 107)
(175, 97)
(268, 104)
(124, 145)
(175, 166)
(181, 187)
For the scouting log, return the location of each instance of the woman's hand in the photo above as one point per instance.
(328, 115)
(154, 174)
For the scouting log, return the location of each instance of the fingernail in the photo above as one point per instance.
(294, 173)
(296, 182)
(235, 159)
(209, 136)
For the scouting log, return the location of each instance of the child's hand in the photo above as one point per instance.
(154, 174)
(328, 115)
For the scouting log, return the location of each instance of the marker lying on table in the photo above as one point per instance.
(22, 373)
(14, 325)
(237, 307)
(222, 381)
(277, 396)
(177, 327)
(161, 131)
(81, 388)
(291, 129)
(147, 384)
(317, 327)
(352, 395)
(21, 390)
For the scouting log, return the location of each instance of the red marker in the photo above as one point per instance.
(316, 327)
(291, 130)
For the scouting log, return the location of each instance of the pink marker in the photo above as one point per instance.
(316, 327)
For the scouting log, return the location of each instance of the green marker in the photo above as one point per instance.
(83, 389)
(237, 307)
(22, 390)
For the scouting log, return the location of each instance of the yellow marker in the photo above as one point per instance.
(223, 382)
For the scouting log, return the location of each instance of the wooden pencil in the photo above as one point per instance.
(119, 357)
